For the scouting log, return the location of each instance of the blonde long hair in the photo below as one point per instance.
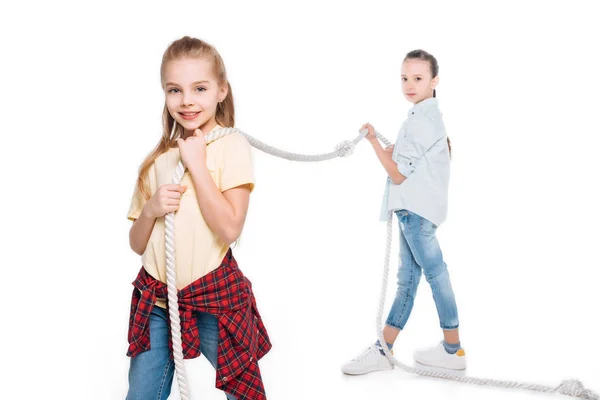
(186, 47)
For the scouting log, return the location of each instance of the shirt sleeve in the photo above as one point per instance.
(137, 199)
(420, 135)
(236, 163)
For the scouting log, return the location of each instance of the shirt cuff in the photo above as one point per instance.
(405, 168)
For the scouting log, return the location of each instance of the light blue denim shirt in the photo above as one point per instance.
(421, 152)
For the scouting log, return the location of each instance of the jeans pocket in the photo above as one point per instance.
(427, 226)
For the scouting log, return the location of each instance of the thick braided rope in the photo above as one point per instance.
(172, 292)
(343, 149)
(572, 388)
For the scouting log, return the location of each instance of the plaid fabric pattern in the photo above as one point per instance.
(225, 293)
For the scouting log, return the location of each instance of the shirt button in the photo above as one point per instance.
(251, 358)
(225, 379)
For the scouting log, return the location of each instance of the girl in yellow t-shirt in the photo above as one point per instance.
(211, 202)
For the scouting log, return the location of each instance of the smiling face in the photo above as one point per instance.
(417, 82)
(192, 94)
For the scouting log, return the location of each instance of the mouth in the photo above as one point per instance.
(411, 94)
(189, 116)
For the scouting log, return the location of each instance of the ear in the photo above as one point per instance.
(435, 81)
(223, 90)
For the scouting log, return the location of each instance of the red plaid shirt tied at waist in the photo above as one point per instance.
(225, 293)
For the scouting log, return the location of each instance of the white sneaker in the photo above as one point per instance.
(438, 357)
(369, 360)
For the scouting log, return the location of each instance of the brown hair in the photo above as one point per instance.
(186, 47)
(435, 69)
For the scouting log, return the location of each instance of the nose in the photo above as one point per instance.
(187, 99)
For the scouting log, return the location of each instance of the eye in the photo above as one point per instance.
(403, 79)
(173, 90)
(200, 89)
(418, 78)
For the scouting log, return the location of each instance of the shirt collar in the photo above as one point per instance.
(420, 107)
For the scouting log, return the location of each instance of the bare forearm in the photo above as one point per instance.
(390, 166)
(217, 211)
(140, 232)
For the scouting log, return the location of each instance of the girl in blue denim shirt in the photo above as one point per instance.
(418, 168)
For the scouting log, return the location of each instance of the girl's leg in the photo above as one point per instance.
(420, 236)
(409, 275)
(151, 372)
(209, 340)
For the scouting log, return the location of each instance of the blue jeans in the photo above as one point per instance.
(420, 251)
(151, 372)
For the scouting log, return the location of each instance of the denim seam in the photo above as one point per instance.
(405, 299)
(162, 381)
(411, 288)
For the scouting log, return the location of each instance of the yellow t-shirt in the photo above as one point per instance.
(198, 250)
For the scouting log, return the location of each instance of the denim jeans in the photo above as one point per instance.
(420, 252)
(151, 372)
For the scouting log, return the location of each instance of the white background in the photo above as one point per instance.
(81, 107)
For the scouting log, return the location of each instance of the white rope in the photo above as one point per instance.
(572, 388)
(173, 303)
(343, 149)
